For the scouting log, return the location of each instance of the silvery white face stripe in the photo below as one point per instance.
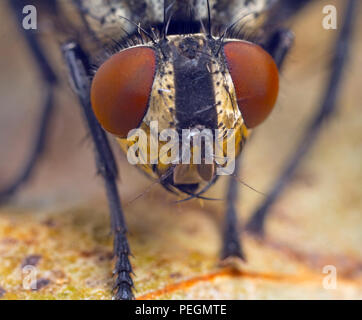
(162, 98)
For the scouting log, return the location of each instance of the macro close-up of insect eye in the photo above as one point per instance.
(184, 150)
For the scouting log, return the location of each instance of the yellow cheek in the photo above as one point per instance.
(161, 110)
(229, 115)
(162, 100)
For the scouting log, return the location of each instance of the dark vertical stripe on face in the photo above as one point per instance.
(195, 98)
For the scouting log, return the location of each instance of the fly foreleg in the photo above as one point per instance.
(77, 63)
(231, 233)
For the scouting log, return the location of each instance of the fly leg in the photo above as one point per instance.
(231, 234)
(49, 80)
(278, 46)
(77, 63)
(327, 107)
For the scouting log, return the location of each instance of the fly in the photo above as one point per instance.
(153, 72)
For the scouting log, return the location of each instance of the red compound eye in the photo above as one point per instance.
(121, 89)
(256, 81)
